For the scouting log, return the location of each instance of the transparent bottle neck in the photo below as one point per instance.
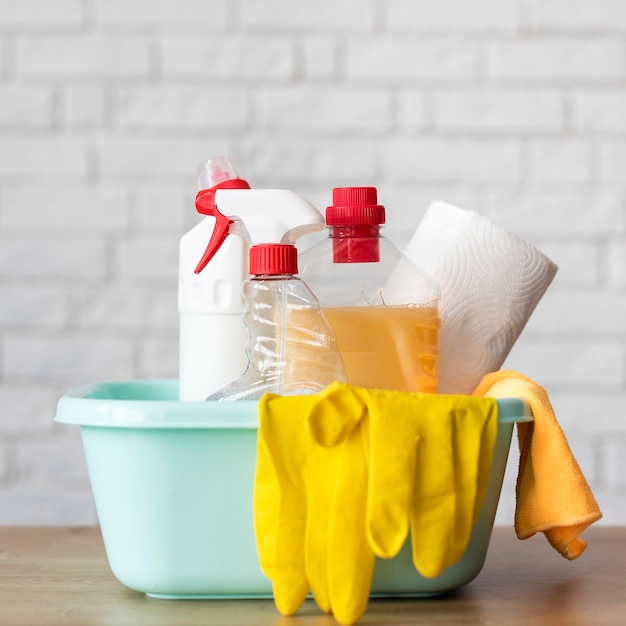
(355, 243)
(272, 277)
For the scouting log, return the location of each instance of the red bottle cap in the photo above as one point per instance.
(273, 258)
(355, 206)
(355, 218)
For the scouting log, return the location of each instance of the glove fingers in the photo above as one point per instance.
(266, 508)
(321, 476)
(452, 473)
(350, 559)
(433, 512)
(472, 463)
(290, 584)
(392, 468)
(285, 442)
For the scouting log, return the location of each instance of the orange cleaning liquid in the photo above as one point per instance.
(391, 347)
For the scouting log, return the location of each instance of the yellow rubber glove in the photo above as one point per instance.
(430, 470)
(299, 486)
(336, 489)
(392, 461)
(336, 482)
(280, 497)
(452, 474)
(350, 558)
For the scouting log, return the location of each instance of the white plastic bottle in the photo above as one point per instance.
(212, 336)
(291, 347)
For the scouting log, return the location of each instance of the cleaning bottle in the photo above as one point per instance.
(291, 347)
(212, 337)
(382, 308)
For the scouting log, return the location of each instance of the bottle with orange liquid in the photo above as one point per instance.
(382, 308)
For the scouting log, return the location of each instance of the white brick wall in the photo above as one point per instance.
(515, 108)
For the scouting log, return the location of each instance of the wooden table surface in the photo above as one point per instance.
(61, 576)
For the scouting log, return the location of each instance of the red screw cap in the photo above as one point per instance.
(273, 258)
(355, 206)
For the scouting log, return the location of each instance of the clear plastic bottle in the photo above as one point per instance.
(382, 308)
(291, 348)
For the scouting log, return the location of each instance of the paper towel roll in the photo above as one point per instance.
(490, 281)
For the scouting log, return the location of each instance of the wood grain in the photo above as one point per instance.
(52, 576)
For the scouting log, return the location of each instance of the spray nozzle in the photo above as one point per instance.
(265, 216)
(216, 171)
(205, 204)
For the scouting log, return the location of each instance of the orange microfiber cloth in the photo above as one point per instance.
(553, 496)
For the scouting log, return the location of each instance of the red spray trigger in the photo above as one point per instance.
(205, 204)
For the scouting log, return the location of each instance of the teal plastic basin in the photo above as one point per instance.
(173, 487)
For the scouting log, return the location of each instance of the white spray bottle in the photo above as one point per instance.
(291, 347)
(210, 305)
